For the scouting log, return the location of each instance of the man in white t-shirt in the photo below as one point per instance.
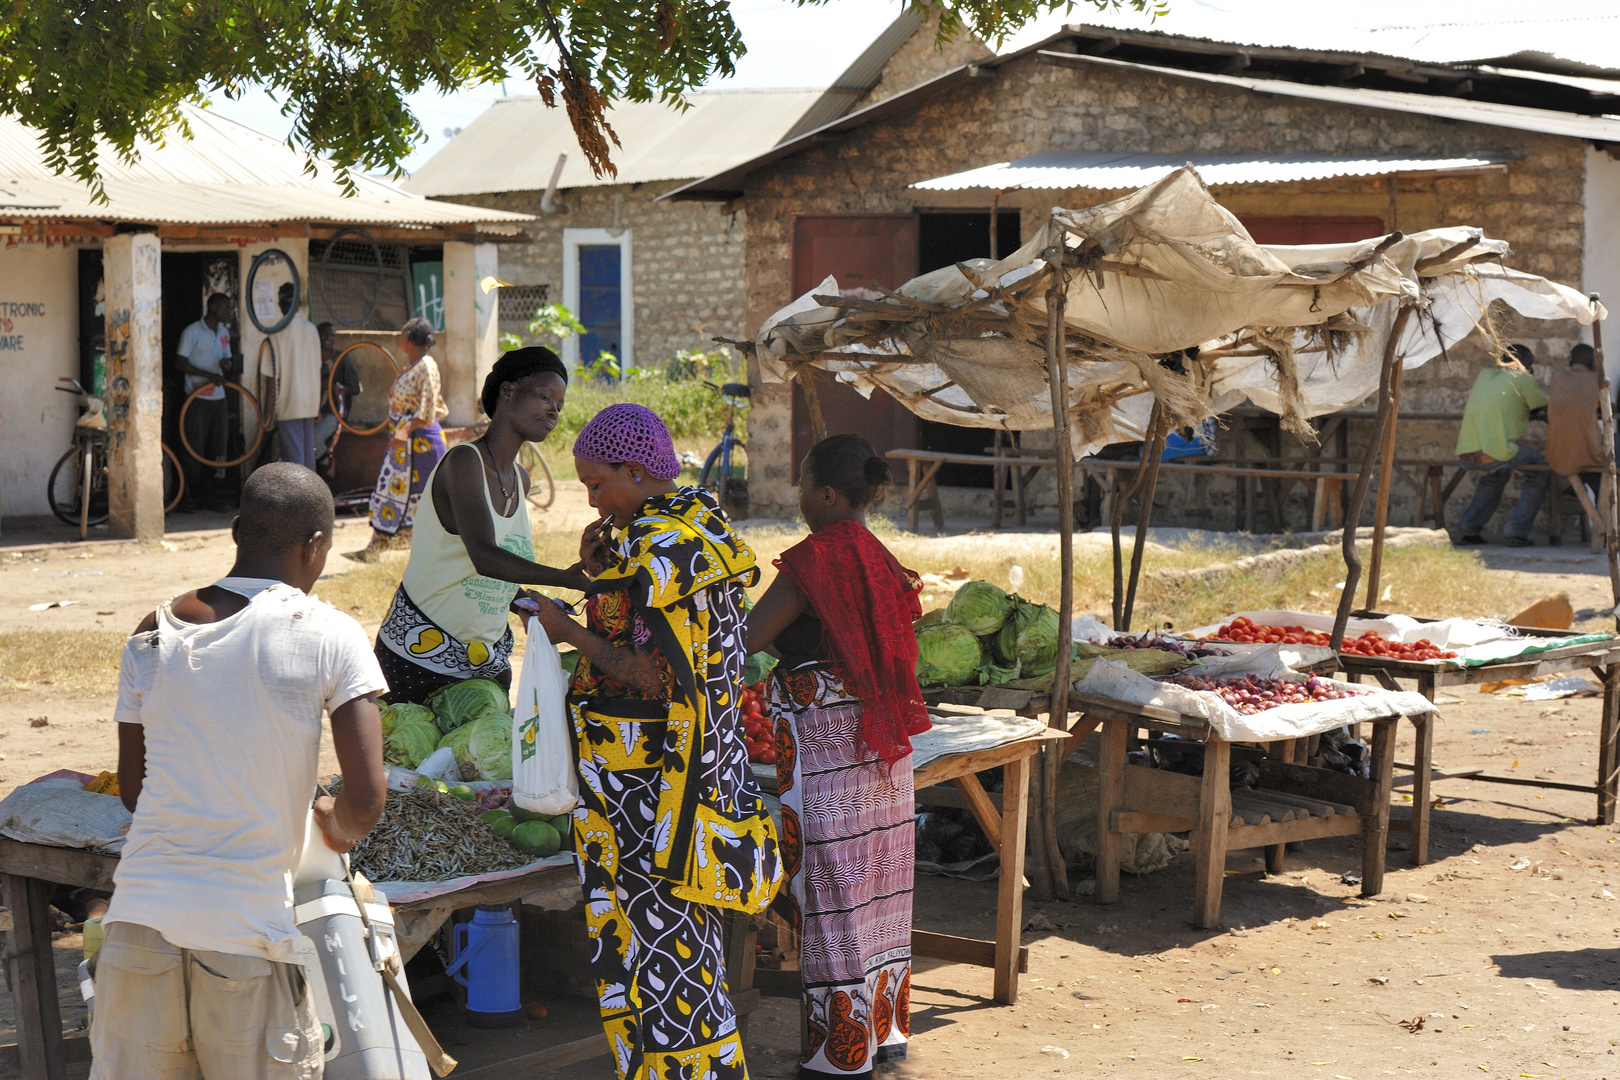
(220, 698)
(298, 384)
(204, 355)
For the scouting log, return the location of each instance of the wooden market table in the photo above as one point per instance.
(1292, 801)
(1602, 658)
(28, 872)
(1006, 829)
(923, 467)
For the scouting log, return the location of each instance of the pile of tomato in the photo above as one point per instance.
(756, 722)
(1246, 630)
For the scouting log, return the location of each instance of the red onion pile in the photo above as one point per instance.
(1252, 694)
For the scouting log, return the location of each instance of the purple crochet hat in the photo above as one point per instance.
(626, 432)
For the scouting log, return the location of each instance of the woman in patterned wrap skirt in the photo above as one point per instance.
(845, 701)
(671, 828)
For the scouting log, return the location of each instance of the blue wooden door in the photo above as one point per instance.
(600, 301)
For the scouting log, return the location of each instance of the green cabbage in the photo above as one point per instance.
(483, 748)
(462, 702)
(991, 675)
(395, 714)
(981, 607)
(1029, 640)
(410, 740)
(947, 655)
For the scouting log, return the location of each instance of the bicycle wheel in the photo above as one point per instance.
(65, 489)
(257, 427)
(174, 480)
(331, 382)
(542, 488)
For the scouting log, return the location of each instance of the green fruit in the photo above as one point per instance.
(490, 817)
(521, 815)
(501, 822)
(563, 823)
(537, 838)
(462, 791)
(441, 787)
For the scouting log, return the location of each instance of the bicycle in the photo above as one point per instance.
(86, 504)
(726, 471)
(542, 488)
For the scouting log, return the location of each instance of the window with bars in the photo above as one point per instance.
(358, 283)
(518, 305)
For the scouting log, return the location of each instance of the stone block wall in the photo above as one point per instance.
(686, 259)
(1535, 204)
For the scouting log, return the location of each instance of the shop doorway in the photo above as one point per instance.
(189, 278)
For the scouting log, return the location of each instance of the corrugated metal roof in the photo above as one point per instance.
(1517, 117)
(860, 77)
(513, 145)
(226, 174)
(1102, 171)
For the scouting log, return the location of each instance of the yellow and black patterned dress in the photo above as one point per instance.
(671, 828)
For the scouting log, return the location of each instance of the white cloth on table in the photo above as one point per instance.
(231, 713)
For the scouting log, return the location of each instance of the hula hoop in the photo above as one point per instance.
(267, 419)
(331, 380)
(258, 436)
(297, 284)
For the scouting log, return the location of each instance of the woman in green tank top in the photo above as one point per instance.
(471, 549)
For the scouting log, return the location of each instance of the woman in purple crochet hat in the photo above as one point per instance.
(671, 826)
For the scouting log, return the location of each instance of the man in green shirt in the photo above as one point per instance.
(1498, 409)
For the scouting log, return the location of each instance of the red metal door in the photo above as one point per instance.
(856, 249)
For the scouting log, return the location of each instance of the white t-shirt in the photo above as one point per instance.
(298, 370)
(232, 718)
(205, 348)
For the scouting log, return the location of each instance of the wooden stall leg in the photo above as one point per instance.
(1110, 797)
(1209, 841)
(1010, 898)
(1423, 772)
(1282, 750)
(997, 474)
(935, 507)
(33, 979)
(1608, 778)
(1375, 829)
(740, 944)
(912, 494)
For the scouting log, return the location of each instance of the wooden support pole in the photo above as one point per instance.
(1057, 369)
(1120, 496)
(1358, 495)
(1154, 457)
(1610, 519)
(806, 378)
(1375, 561)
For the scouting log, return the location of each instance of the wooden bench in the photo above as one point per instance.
(922, 467)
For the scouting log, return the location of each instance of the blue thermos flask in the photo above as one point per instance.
(486, 964)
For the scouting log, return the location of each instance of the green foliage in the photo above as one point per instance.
(120, 71)
(555, 321)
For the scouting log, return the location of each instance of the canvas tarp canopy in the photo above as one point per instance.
(1298, 330)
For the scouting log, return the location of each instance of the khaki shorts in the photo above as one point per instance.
(166, 1013)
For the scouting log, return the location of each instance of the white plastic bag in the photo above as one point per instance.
(543, 776)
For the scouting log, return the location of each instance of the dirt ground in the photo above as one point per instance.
(1499, 958)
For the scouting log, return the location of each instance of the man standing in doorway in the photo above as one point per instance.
(298, 384)
(1498, 410)
(204, 355)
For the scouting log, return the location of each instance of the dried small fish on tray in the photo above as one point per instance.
(426, 836)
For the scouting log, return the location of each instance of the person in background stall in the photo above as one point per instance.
(845, 702)
(344, 388)
(1499, 409)
(298, 385)
(204, 356)
(220, 697)
(671, 827)
(1575, 421)
(474, 543)
(415, 408)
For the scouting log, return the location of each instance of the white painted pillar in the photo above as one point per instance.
(132, 265)
(470, 344)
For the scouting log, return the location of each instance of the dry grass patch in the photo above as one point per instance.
(65, 661)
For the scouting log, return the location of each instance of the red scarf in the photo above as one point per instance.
(866, 602)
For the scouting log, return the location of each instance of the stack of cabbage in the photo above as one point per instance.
(472, 718)
(986, 636)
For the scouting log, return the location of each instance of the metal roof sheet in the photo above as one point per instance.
(225, 174)
(1103, 171)
(513, 145)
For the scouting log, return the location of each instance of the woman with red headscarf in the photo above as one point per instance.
(845, 702)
